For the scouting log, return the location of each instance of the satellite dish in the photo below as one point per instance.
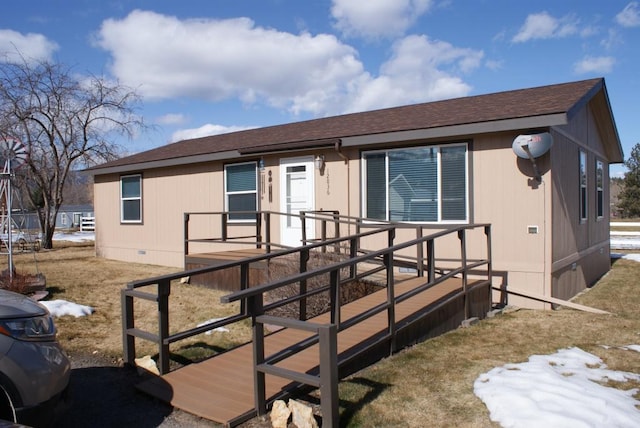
(531, 146)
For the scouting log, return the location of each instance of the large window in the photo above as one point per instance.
(422, 184)
(583, 187)
(131, 198)
(241, 184)
(599, 190)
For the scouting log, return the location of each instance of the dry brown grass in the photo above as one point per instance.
(430, 384)
(73, 273)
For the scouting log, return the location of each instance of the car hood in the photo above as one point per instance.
(15, 305)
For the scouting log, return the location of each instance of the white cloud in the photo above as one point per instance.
(544, 26)
(219, 59)
(630, 15)
(419, 70)
(165, 57)
(377, 18)
(205, 131)
(172, 119)
(591, 64)
(16, 46)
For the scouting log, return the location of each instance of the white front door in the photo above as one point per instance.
(296, 194)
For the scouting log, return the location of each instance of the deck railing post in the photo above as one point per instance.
(463, 255)
(353, 252)
(391, 299)
(164, 290)
(244, 284)
(185, 233)
(431, 260)
(304, 260)
(329, 397)
(487, 232)
(255, 303)
(419, 253)
(224, 220)
(267, 226)
(258, 229)
(303, 226)
(336, 224)
(334, 289)
(128, 341)
(323, 233)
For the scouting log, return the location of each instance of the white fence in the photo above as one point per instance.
(87, 224)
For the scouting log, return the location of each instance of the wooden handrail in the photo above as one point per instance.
(252, 299)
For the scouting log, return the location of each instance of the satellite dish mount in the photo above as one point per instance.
(532, 146)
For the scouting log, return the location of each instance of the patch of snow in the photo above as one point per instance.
(59, 308)
(558, 390)
(74, 236)
(632, 348)
(211, 321)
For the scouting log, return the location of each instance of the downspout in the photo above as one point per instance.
(338, 146)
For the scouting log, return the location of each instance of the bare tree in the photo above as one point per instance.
(66, 122)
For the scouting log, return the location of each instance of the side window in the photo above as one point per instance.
(131, 198)
(599, 190)
(241, 196)
(583, 187)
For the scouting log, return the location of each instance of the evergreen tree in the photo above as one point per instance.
(630, 194)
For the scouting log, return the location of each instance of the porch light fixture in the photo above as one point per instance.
(319, 162)
(261, 164)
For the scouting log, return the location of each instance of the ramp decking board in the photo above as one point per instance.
(221, 388)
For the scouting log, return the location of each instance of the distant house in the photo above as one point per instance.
(69, 217)
(440, 164)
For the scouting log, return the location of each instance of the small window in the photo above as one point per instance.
(419, 184)
(241, 196)
(583, 187)
(64, 220)
(131, 199)
(599, 190)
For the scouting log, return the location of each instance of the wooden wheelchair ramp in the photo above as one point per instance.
(221, 388)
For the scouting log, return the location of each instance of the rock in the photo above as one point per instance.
(470, 321)
(280, 414)
(302, 415)
(147, 363)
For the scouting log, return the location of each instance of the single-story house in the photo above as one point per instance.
(68, 217)
(443, 163)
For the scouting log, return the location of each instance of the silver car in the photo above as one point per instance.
(34, 371)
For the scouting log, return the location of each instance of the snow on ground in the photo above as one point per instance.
(59, 308)
(212, 320)
(559, 390)
(74, 236)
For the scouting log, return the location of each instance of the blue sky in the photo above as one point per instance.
(211, 66)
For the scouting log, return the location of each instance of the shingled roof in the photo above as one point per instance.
(563, 99)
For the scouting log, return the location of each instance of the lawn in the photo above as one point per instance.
(430, 384)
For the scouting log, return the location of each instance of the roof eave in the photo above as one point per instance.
(515, 124)
(165, 163)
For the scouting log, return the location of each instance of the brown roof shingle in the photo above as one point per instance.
(539, 101)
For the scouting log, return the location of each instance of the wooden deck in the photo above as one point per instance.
(221, 388)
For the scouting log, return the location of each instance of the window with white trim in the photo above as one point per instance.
(599, 190)
(426, 184)
(583, 187)
(131, 198)
(241, 191)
